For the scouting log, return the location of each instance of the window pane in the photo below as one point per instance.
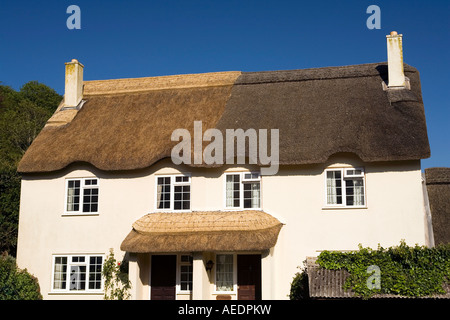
(186, 277)
(224, 272)
(232, 190)
(90, 196)
(95, 273)
(163, 193)
(186, 258)
(78, 259)
(182, 197)
(73, 195)
(354, 189)
(60, 273)
(252, 195)
(334, 187)
(182, 179)
(77, 278)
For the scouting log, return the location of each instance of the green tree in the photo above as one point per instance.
(23, 114)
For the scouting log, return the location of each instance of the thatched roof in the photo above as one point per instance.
(328, 284)
(126, 124)
(438, 188)
(203, 231)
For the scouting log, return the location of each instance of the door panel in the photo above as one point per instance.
(249, 276)
(163, 277)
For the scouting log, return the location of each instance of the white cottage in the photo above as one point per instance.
(100, 175)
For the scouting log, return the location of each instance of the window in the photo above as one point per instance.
(77, 273)
(173, 192)
(243, 190)
(186, 273)
(345, 187)
(82, 195)
(224, 272)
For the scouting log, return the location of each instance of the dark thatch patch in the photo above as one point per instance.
(438, 188)
(126, 124)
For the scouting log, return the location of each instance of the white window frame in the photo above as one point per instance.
(345, 175)
(83, 186)
(242, 181)
(234, 290)
(181, 263)
(69, 264)
(173, 183)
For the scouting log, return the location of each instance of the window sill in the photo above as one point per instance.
(344, 208)
(75, 214)
(225, 292)
(240, 209)
(82, 293)
(170, 210)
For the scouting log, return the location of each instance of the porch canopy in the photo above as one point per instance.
(203, 231)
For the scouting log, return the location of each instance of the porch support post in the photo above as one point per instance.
(133, 276)
(267, 274)
(200, 281)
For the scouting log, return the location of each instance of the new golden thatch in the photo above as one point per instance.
(203, 231)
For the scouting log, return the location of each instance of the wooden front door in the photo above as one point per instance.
(163, 277)
(249, 276)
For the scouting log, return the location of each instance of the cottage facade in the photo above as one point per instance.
(100, 176)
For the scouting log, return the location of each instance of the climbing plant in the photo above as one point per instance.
(403, 270)
(116, 279)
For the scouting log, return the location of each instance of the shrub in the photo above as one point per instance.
(15, 283)
(299, 286)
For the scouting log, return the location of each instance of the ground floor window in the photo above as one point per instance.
(185, 273)
(224, 272)
(77, 273)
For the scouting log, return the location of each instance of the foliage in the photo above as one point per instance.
(407, 271)
(17, 284)
(299, 286)
(22, 115)
(115, 274)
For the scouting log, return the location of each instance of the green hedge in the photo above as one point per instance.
(407, 271)
(17, 284)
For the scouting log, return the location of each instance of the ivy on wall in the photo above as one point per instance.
(402, 270)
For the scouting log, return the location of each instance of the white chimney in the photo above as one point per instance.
(395, 60)
(74, 83)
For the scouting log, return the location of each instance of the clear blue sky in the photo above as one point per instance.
(120, 39)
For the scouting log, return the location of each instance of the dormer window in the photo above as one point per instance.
(345, 187)
(243, 190)
(173, 192)
(82, 196)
